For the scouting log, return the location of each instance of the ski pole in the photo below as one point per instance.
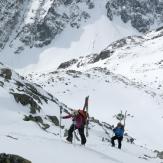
(86, 108)
(74, 133)
(60, 121)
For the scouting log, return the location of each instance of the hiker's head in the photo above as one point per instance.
(119, 124)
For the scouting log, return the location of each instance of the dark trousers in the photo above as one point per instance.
(119, 141)
(81, 133)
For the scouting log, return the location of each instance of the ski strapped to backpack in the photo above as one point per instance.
(125, 116)
(121, 117)
(85, 111)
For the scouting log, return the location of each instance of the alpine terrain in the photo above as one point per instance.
(93, 66)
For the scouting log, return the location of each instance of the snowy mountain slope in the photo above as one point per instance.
(110, 93)
(27, 139)
(37, 35)
(127, 75)
(137, 58)
(45, 148)
(39, 106)
(14, 89)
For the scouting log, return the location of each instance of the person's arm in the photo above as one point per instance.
(67, 116)
(114, 129)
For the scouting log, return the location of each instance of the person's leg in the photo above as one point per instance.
(82, 135)
(120, 142)
(70, 133)
(112, 141)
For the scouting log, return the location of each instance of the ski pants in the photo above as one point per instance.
(81, 133)
(119, 141)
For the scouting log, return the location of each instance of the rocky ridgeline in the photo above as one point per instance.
(103, 55)
(141, 14)
(49, 22)
(23, 91)
(40, 33)
(43, 29)
(125, 43)
(30, 95)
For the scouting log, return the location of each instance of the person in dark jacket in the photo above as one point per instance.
(118, 131)
(78, 123)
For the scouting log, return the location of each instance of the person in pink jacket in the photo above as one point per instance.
(79, 121)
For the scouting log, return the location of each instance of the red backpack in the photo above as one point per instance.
(84, 114)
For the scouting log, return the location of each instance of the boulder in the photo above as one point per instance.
(160, 155)
(6, 73)
(9, 158)
(27, 100)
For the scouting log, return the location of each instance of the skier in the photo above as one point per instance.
(79, 118)
(118, 131)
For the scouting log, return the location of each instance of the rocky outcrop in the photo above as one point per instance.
(27, 100)
(160, 155)
(6, 73)
(44, 30)
(67, 64)
(38, 120)
(101, 56)
(54, 120)
(38, 28)
(141, 14)
(11, 13)
(9, 158)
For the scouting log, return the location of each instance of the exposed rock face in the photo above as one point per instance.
(43, 25)
(22, 26)
(67, 64)
(54, 119)
(27, 100)
(9, 158)
(6, 73)
(160, 155)
(141, 14)
(11, 13)
(38, 120)
(30, 95)
(43, 31)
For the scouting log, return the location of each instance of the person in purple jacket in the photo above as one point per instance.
(79, 120)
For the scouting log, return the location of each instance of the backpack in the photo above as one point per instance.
(84, 114)
(119, 131)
